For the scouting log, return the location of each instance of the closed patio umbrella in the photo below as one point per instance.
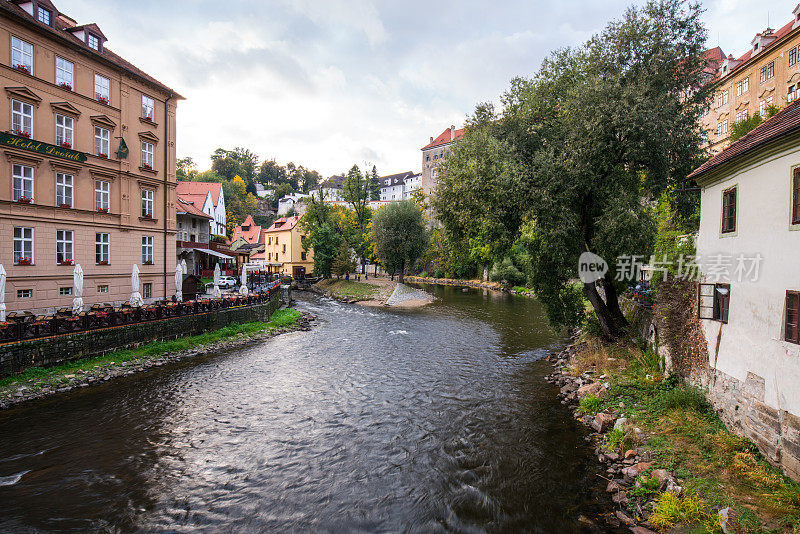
(77, 282)
(2, 293)
(243, 287)
(217, 275)
(183, 266)
(136, 298)
(178, 283)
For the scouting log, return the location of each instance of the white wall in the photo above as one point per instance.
(752, 340)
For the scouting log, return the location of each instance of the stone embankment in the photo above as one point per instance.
(494, 286)
(25, 392)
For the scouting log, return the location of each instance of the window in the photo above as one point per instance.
(22, 178)
(24, 293)
(767, 72)
(284, 248)
(147, 249)
(792, 56)
(43, 15)
(101, 89)
(102, 289)
(714, 301)
(65, 73)
(64, 190)
(739, 89)
(102, 141)
(147, 155)
(102, 245)
(148, 108)
(65, 291)
(147, 290)
(729, 210)
(64, 247)
(147, 203)
(23, 245)
(791, 94)
(102, 195)
(65, 126)
(22, 118)
(302, 256)
(741, 115)
(745, 85)
(792, 323)
(796, 196)
(92, 41)
(21, 55)
(724, 97)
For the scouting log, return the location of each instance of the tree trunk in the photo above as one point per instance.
(607, 322)
(364, 268)
(612, 301)
(376, 269)
(400, 276)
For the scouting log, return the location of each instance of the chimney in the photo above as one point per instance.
(431, 139)
(452, 132)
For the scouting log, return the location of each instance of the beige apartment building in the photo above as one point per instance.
(432, 153)
(88, 173)
(284, 249)
(767, 74)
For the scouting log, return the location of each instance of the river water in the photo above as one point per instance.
(429, 420)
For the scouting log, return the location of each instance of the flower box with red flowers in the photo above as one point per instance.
(102, 210)
(102, 314)
(24, 200)
(24, 261)
(66, 262)
(64, 205)
(149, 119)
(22, 68)
(101, 155)
(147, 215)
(65, 144)
(102, 262)
(102, 99)
(66, 86)
(21, 133)
(148, 263)
(147, 166)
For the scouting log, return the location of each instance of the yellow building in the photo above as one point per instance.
(284, 249)
(767, 74)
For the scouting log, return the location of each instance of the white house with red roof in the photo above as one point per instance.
(210, 198)
(432, 154)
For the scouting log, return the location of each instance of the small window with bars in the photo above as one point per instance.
(713, 302)
(729, 210)
(791, 332)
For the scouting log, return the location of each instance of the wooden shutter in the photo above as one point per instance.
(722, 299)
(705, 301)
(796, 196)
(729, 210)
(792, 317)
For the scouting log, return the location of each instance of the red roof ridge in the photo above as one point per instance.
(445, 138)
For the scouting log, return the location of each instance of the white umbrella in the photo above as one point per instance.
(217, 275)
(77, 282)
(183, 266)
(178, 283)
(2, 294)
(243, 287)
(136, 298)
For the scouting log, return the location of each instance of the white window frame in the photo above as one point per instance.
(147, 290)
(24, 293)
(65, 72)
(22, 243)
(65, 189)
(102, 88)
(102, 288)
(102, 141)
(148, 108)
(148, 202)
(65, 245)
(43, 15)
(21, 117)
(102, 195)
(93, 41)
(65, 291)
(147, 249)
(148, 155)
(22, 182)
(21, 54)
(65, 129)
(102, 247)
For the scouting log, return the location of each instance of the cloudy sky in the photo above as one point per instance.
(329, 83)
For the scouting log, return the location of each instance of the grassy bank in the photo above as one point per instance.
(38, 378)
(350, 289)
(684, 436)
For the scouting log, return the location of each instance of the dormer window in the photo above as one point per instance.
(43, 15)
(93, 41)
(755, 46)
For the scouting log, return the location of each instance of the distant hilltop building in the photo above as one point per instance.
(400, 186)
(433, 152)
(767, 74)
(331, 189)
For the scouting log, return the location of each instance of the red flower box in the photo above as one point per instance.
(24, 200)
(66, 262)
(102, 262)
(102, 210)
(66, 86)
(65, 144)
(148, 119)
(22, 68)
(147, 167)
(101, 99)
(147, 215)
(24, 261)
(68, 206)
(26, 135)
(101, 155)
(148, 263)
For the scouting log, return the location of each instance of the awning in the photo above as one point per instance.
(214, 253)
(270, 264)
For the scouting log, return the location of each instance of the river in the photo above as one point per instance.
(429, 420)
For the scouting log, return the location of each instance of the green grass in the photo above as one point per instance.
(590, 404)
(43, 376)
(352, 289)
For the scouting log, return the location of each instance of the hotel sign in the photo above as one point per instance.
(41, 148)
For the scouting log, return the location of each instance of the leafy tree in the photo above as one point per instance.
(238, 202)
(343, 264)
(207, 176)
(226, 167)
(270, 173)
(399, 235)
(506, 271)
(184, 169)
(355, 192)
(744, 126)
(374, 184)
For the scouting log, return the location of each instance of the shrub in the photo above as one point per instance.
(590, 404)
(438, 273)
(684, 397)
(671, 510)
(648, 485)
(614, 440)
(506, 271)
(423, 274)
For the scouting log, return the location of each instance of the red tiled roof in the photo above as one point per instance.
(780, 34)
(186, 205)
(252, 233)
(195, 189)
(445, 138)
(785, 122)
(61, 30)
(283, 224)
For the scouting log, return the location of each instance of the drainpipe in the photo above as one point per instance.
(166, 168)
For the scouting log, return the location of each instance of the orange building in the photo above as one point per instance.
(88, 175)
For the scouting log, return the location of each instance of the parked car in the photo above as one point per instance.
(227, 281)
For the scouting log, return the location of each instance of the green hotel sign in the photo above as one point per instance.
(41, 148)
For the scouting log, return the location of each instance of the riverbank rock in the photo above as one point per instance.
(603, 421)
(631, 472)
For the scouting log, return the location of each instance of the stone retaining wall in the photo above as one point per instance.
(17, 356)
(494, 286)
